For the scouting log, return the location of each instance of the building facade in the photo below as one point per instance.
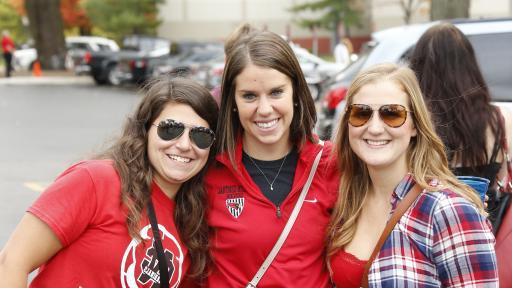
(213, 20)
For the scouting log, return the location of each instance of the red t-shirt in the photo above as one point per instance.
(7, 44)
(84, 210)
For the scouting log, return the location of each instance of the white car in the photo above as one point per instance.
(491, 40)
(77, 46)
(24, 58)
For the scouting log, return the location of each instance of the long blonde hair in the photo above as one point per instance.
(426, 157)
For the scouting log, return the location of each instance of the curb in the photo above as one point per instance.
(53, 80)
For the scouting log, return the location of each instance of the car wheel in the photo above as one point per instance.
(113, 75)
(98, 80)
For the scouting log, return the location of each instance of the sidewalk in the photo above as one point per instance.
(47, 78)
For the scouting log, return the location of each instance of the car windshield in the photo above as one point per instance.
(144, 44)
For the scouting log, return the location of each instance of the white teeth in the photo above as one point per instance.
(377, 142)
(266, 124)
(179, 158)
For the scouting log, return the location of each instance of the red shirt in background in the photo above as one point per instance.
(7, 44)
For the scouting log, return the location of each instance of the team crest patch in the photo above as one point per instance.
(235, 206)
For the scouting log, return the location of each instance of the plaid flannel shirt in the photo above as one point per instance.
(441, 241)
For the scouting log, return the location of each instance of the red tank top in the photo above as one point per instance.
(347, 270)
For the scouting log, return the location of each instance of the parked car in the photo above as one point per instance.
(491, 40)
(316, 70)
(77, 47)
(104, 64)
(23, 58)
(187, 58)
(196, 65)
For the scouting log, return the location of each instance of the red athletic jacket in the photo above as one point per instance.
(246, 225)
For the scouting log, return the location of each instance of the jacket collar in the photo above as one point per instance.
(305, 152)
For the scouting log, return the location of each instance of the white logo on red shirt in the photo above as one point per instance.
(139, 267)
(235, 206)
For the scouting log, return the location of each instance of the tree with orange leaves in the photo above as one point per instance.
(73, 14)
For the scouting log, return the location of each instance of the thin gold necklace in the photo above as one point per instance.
(271, 184)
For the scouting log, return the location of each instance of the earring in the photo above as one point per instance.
(235, 110)
(295, 104)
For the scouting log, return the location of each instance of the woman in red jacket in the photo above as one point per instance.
(266, 152)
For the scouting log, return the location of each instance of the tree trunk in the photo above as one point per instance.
(45, 23)
(443, 9)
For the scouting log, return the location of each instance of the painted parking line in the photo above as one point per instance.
(36, 186)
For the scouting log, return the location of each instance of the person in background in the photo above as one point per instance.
(342, 52)
(458, 97)
(266, 151)
(386, 145)
(8, 48)
(138, 210)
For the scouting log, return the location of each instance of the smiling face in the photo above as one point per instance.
(375, 143)
(177, 160)
(264, 100)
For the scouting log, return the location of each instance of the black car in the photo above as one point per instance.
(104, 64)
(185, 59)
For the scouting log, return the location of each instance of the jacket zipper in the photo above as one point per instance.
(278, 212)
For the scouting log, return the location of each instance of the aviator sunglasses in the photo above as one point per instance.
(394, 115)
(169, 129)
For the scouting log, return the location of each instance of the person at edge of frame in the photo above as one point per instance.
(107, 222)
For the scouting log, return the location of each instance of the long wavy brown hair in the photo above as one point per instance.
(131, 161)
(456, 93)
(268, 50)
(425, 157)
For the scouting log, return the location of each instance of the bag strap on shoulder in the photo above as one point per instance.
(399, 211)
(284, 234)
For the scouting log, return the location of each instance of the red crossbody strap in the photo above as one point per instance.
(399, 211)
(504, 145)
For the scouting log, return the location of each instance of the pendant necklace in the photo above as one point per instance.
(271, 184)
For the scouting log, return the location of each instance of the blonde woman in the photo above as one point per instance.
(386, 144)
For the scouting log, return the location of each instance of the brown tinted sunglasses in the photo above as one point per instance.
(394, 115)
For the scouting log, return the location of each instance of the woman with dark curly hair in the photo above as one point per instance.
(133, 217)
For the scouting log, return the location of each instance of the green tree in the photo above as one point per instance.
(117, 18)
(332, 14)
(441, 9)
(11, 20)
